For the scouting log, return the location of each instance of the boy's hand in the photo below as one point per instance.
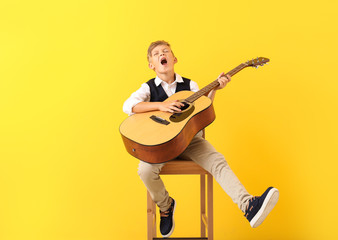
(223, 80)
(170, 106)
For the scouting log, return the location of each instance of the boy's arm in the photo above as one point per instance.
(141, 95)
(170, 106)
(223, 80)
(138, 102)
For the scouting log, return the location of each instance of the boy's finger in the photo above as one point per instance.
(178, 104)
(222, 74)
(175, 108)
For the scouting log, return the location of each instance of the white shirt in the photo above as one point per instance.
(143, 93)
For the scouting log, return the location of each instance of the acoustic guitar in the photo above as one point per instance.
(158, 137)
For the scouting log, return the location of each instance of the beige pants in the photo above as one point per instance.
(204, 154)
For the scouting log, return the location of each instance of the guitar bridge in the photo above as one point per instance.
(159, 120)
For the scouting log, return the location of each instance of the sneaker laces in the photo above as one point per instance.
(164, 214)
(249, 210)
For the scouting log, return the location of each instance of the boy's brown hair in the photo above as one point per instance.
(154, 45)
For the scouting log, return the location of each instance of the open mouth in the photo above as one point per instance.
(164, 61)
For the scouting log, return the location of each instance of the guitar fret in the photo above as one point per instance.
(213, 85)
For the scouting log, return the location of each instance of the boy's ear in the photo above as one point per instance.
(175, 60)
(151, 66)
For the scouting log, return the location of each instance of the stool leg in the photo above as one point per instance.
(202, 185)
(151, 217)
(210, 208)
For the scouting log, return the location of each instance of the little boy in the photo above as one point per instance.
(150, 97)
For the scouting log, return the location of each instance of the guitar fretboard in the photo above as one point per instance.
(214, 84)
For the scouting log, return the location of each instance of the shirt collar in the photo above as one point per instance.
(178, 79)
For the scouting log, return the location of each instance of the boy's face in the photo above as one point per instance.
(162, 59)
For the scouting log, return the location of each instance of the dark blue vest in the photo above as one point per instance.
(157, 93)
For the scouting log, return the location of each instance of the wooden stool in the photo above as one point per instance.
(186, 167)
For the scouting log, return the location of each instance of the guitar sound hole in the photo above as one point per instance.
(186, 111)
(185, 106)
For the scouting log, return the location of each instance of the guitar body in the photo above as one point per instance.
(157, 137)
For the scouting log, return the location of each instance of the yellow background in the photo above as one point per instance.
(66, 68)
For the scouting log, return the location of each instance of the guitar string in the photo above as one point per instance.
(209, 87)
(212, 85)
(206, 89)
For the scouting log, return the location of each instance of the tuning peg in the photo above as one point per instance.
(257, 66)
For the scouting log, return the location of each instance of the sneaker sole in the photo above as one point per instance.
(172, 229)
(268, 204)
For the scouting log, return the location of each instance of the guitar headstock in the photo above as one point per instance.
(260, 61)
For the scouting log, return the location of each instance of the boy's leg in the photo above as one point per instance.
(204, 154)
(149, 173)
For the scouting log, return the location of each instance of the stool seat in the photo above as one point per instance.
(188, 167)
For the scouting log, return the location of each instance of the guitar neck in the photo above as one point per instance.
(213, 85)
